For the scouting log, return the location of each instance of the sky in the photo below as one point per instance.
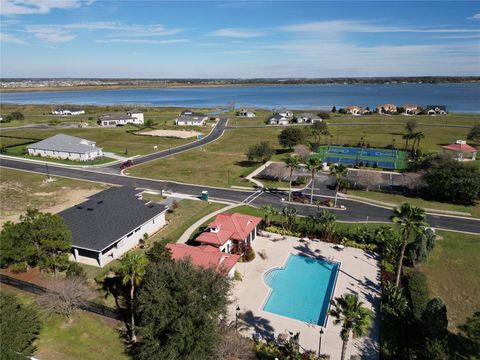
(238, 39)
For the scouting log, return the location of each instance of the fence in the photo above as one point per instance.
(39, 290)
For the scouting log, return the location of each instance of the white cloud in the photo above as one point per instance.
(474, 17)
(51, 34)
(143, 41)
(20, 7)
(10, 38)
(238, 33)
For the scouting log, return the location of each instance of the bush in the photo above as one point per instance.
(281, 231)
(19, 267)
(249, 255)
(237, 276)
(323, 115)
(417, 291)
(75, 269)
(301, 180)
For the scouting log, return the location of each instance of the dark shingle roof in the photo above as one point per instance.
(107, 216)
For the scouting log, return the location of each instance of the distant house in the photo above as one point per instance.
(71, 111)
(410, 109)
(232, 233)
(246, 113)
(461, 150)
(67, 147)
(278, 119)
(188, 117)
(387, 109)
(110, 223)
(205, 256)
(307, 118)
(284, 113)
(354, 110)
(436, 109)
(114, 119)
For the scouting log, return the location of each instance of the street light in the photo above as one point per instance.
(236, 317)
(320, 343)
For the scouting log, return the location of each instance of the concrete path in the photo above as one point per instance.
(115, 156)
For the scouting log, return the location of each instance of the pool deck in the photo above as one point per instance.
(359, 273)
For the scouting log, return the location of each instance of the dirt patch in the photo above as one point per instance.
(182, 134)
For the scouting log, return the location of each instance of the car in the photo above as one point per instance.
(126, 164)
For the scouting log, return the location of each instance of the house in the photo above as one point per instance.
(114, 119)
(436, 109)
(246, 113)
(461, 150)
(284, 113)
(188, 117)
(71, 111)
(278, 119)
(307, 118)
(205, 256)
(232, 233)
(354, 110)
(66, 147)
(410, 109)
(387, 109)
(110, 223)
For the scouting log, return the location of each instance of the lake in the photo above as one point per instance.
(457, 97)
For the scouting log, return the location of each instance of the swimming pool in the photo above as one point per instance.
(302, 289)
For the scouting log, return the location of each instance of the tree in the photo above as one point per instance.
(394, 301)
(390, 243)
(406, 137)
(410, 218)
(65, 295)
(474, 134)
(334, 109)
(149, 123)
(418, 136)
(289, 216)
(326, 223)
(132, 268)
(339, 172)
(417, 291)
(323, 115)
(159, 252)
(471, 331)
(290, 137)
(262, 151)
(319, 129)
(268, 213)
(435, 322)
(302, 151)
(233, 346)
(354, 318)
(292, 163)
(313, 164)
(17, 115)
(179, 307)
(74, 269)
(20, 326)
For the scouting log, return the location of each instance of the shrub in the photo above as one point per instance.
(19, 267)
(417, 291)
(75, 269)
(237, 276)
(281, 231)
(249, 255)
(301, 180)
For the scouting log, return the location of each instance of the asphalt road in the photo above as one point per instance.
(355, 211)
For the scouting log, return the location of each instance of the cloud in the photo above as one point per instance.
(50, 34)
(142, 41)
(474, 17)
(10, 38)
(21, 7)
(238, 33)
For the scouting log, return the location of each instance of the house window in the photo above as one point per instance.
(137, 229)
(130, 234)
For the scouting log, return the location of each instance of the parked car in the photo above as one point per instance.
(126, 164)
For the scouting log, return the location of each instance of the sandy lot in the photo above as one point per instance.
(182, 134)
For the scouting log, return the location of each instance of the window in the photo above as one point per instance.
(137, 229)
(130, 234)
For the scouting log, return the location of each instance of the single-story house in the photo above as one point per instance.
(284, 113)
(436, 109)
(410, 109)
(461, 150)
(110, 223)
(114, 119)
(232, 233)
(246, 113)
(386, 109)
(67, 147)
(307, 118)
(71, 111)
(188, 117)
(278, 119)
(205, 256)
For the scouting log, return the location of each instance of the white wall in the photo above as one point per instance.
(138, 117)
(66, 155)
(228, 244)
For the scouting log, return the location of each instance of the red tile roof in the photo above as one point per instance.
(231, 226)
(204, 256)
(459, 147)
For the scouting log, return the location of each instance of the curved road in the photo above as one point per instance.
(355, 212)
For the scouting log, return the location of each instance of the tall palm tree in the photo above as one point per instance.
(406, 137)
(410, 218)
(352, 316)
(292, 163)
(268, 213)
(339, 172)
(326, 223)
(313, 164)
(419, 136)
(132, 268)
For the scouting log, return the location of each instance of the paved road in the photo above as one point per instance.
(346, 124)
(356, 211)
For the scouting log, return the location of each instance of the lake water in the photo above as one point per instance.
(457, 97)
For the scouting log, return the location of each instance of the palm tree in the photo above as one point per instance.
(326, 222)
(268, 213)
(292, 163)
(352, 316)
(339, 171)
(313, 164)
(419, 136)
(410, 218)
(406, 137)
(132, 268)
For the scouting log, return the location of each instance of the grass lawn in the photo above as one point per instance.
(452, 271)
(397, 200)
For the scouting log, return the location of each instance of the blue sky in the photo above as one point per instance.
(218, 39)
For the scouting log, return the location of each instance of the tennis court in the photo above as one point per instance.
(351, 156)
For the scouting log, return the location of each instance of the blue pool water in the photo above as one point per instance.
(302, 290)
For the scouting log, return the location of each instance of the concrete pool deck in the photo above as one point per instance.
(359, 273)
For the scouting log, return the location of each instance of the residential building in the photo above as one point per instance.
(278, 119)
(386, 109)
(410, 109)
(461, 150)
(66, 147)
(436, 109)
(188, 117)
(307, 118)
(110, 223)
(284, 113)
(114, 119)
(246, 113)
(205, 256)
(354, 110)
(70, 111)
(232, 233)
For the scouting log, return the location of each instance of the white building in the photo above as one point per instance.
(189, 117)
(110, 223)
(308, 118)
(278, 119)
(284, 113)
(68, 112)
(114, 119)
(66, 147)
(246, 113)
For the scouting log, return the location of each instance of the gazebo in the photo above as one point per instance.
(461, 150)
